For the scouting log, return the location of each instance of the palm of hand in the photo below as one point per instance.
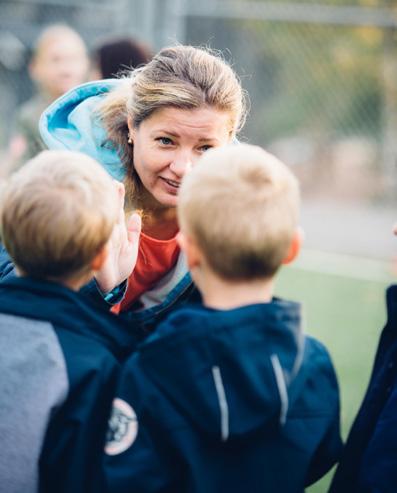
(122, 247)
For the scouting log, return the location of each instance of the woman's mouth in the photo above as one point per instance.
(171, 185)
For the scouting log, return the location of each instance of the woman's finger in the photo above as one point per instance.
(120, 191)
(134, 225)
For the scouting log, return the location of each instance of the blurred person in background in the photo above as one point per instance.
(113, 56)
(59, 62)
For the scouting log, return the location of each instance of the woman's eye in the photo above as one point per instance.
(205, 148)
(165, 141)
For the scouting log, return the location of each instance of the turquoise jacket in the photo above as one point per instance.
(71, 123)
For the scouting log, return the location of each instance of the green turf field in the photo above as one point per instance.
(343, 306)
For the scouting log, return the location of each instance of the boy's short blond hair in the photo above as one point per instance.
(57, 213)
(240, 204)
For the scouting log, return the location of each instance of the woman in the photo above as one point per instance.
(148, 130)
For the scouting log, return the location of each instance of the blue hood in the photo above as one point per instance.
(71, 123)
(255, 352)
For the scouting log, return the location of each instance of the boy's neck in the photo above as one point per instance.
(225, 294)
(72, 283)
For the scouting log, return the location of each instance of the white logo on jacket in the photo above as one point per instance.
(122, 428)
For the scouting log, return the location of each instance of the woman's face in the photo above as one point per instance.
(169, 142)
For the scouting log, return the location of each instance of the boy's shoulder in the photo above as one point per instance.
(53, 347)
(316, 349)
(317, 356)
(35, 346)
(80, 326)
(315, 388)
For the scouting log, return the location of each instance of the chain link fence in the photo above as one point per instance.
(322, 78)
(323, 86)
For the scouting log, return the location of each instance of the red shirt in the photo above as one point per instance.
(155, 259)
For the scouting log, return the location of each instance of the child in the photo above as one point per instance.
(230, 396)
(59, 62)
(60, 356)
(369, 461)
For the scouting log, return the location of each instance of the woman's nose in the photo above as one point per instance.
(182, 164)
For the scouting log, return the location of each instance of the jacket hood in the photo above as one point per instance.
(231, 371)
(64, 308)
(71, 123)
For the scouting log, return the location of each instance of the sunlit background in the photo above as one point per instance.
(322, 80)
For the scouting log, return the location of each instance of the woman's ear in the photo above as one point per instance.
(190, 249)
(295, 246)
(131, 130)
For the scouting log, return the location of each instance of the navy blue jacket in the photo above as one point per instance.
(59, 365)
(225, 401)
(369, 460)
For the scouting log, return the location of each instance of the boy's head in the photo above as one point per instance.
(60, 60)
(56, 215)
(239, 206)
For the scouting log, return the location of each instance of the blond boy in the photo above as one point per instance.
(60, 355)
(229, 396)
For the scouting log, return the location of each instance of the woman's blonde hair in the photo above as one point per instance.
(181, 77)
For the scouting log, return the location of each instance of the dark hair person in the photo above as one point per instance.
(113, 56)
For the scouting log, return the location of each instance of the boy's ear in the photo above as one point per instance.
(295, 246)
(190, 249)
(99, 259)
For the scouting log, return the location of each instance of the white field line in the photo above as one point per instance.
(350, 266)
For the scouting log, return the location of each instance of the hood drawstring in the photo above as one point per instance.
(282, 387)
(223, 406)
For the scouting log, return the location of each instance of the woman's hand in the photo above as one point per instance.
(122, 248)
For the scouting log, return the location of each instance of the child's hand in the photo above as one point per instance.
(122, 248)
